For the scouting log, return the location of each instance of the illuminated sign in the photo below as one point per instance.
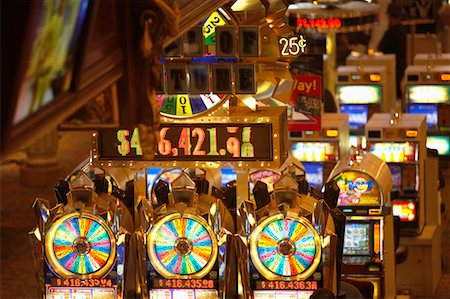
(428, 94)
(445, 77)
(209, 27)
(405, 209)
(292, 45)
(314, 151)
(359, 94)
(357, 188)
(440, 143)
(394, 152)
(193, 142)
(184, 283)
(375, 77)
(80, 292)
(319, 23)
(286, 285)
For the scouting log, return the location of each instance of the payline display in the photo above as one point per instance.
(79, 247)
(286, 256)
(186, 235)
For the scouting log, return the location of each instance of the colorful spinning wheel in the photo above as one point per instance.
(182, 246)
(80, 244)
(287, 249)
(184, 106)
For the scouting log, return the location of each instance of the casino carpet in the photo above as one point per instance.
(17, 275)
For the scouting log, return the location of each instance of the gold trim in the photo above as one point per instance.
(151, 238)
(254, 238)
(51, 256)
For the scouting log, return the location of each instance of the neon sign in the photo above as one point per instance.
(319, 23)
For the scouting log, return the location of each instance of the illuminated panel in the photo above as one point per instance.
(80, 293)
(357, 115)
(193, 142)
(285, 248)
(430, 110)
(353, 140)
(183, 105)
(440, 143)
(314, 151)
(314, 174)
(357, 189)
(282, 294)
(182, 246)
(428, 94)
(357, 238)
(405, 209)
(268, 177)
(395, 152)
(81, 245)
(359, 94)
(209, 27)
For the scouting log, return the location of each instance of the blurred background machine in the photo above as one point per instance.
(399, 140)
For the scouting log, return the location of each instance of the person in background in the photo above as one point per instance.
(394, 42)
(444, 30)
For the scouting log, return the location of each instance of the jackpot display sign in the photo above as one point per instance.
(193, 142)
(359, 94)
(357, 189)
(428, 94)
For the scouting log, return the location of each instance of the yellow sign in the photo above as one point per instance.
(209, 27)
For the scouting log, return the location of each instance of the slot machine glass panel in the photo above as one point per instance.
(357, 189)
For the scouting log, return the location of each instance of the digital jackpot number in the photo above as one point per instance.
(126, 144)
(191, 141)
(320, 23)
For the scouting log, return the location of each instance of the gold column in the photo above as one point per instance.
(330, 65)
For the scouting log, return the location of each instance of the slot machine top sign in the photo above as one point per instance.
(357, 189)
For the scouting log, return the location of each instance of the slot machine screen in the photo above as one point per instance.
(314, 174)
(396, 173)
(357, 189)
(357, 238)
(405, 209)
(428, 94)
(431, 112)
(182, 293)
(395, 151)
(353, 140)
(228, 175)
(357, 115)
(440, 143)
(358, 94)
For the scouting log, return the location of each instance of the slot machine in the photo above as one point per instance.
(319, 151)
(292, 239)
(378, 59)
(81, 247)
(186, 239)
(399, 140)
(368, 261)
(361, 92)
(401, 144)
(428, 92)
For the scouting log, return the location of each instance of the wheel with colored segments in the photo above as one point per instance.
(80, 244)
(182, 246)
(186, 106)
(285, 248)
